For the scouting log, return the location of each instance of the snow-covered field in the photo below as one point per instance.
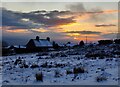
(58, 68)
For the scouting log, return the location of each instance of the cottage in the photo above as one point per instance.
(37, 44)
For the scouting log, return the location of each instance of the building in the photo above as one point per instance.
(105, 42)
(35, 45)
(69, 44)
(14, 49)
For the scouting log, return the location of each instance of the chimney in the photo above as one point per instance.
(37, 38)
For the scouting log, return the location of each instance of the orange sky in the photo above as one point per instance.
(79, 25)
(84, 21)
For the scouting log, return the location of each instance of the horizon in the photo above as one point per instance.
(60, 43)
(62, 22)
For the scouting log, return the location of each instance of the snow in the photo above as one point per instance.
(42, 43)
(106, 67)
(20, 46)
(16, 46)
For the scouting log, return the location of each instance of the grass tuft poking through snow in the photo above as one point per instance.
(39, 76)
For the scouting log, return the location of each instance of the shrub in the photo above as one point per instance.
(57, 73)
(81, 43)
(69, 72)
(60, 65)
(24, 66)
(101, 78)
(42, 54)
(78, 70)
(63, 55)
(34, 66)
(18, 61)
(44, 65)
(39, 76)
(72, 53)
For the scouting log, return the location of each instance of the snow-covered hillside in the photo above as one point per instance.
(78, 66)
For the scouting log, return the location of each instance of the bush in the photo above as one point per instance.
(54, 55)
(101, 78)
(24, 66)
(57, 73)
(44, 65)
(78, 70)
(69, 72)
(18, 61)
(63, 55)
(39, 76)
(34, 66)
(81, 43)
(42, 54)
(60, 65)
(72, 53)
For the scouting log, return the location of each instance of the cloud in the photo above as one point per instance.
(13, 19)
(47, 19)
(95, 14)
(105, 25)
(85, 32)
(76, 7)
(36, 19)
(50, 18)
(110, 35)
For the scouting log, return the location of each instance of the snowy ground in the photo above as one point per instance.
(15, 74)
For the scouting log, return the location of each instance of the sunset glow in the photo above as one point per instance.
(73, 25)
(17, 31)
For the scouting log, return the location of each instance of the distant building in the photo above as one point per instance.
(117, 41)
(105, 42)
(13, 49)
(39, 44)
(69, 44)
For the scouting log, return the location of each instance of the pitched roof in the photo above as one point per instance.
(42, 43)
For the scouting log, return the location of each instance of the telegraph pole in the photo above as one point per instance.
(86, 39)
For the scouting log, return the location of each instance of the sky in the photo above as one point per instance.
(61, 21)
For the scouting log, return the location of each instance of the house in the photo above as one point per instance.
(105, 42)
(20, 49)
(35, 45)
(117, 41)
(13, 49)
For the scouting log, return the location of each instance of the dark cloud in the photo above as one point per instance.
(110, 35)
(49, 18)
(37, 19)
(105, 25)
(45, 19)
(85, 32)
(13, 19)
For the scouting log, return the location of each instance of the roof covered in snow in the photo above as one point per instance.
(19, 46)
(15, 46)
(70, 44)
(42, 43)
